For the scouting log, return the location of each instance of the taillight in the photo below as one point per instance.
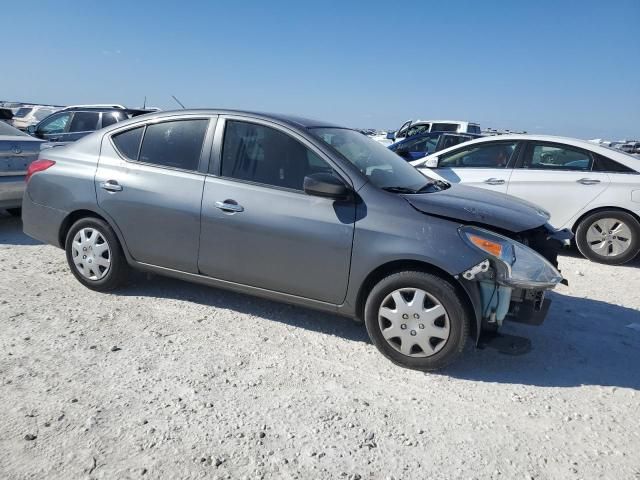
(38, 166)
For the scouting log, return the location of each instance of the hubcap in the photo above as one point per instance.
(91, 254)
(609, 237)
(414, 322)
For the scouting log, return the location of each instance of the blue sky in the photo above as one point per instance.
(558, 67)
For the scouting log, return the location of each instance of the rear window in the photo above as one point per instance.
(473, 129)
(128, 143)
(22, 112)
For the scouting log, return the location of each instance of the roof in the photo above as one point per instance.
(293, 120)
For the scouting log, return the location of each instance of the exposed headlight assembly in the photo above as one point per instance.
(516, 264)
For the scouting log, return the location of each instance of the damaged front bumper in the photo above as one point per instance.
(512, 281)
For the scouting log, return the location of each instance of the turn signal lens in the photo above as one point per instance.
(38, 166)
(488, 246)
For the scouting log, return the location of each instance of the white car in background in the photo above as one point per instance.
(591, 189)
(26, 116)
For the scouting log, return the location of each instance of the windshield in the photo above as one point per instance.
(22, 112)
(6, 129)
(382, 167)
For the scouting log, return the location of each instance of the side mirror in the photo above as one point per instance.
(391, 136)
(31, 129)
(431, 162)
(326, 185)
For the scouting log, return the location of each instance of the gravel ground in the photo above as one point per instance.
(167, 379)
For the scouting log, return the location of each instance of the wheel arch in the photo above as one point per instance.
(579, 220)
(470, 297)
(76, 215)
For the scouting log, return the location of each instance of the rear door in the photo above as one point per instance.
(558, 177)
(149, 181)
(486, 165)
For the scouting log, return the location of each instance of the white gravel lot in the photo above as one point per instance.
(204, 383)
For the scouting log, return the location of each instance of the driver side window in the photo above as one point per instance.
(494, 155)
(55, 124)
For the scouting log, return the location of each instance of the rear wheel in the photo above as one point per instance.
(14, 212)
(94, 255)
(610, 236)
(417, 320)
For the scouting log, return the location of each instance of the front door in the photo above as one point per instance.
(150, 181)
(260, 229)
(557, 177)
(485, 165)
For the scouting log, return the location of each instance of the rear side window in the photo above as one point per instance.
(109, 118)
(176, 144)
(84, 122)
(128, 143)
(555, 157)
(444, 127)
(604, 164)
(22, 112)
(474, 129)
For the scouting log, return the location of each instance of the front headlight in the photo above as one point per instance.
(516, 264)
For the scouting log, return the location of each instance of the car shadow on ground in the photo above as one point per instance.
(582, 342)
(11, 231)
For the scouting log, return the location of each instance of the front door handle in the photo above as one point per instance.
(494, 181)
(227, 206)
(111, 186)
(588, 181)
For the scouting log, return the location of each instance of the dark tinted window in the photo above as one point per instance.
(473, 129)
(604, 164)
(265, 155)
(22, 112)
(84, 122)
(128, 143)
(541, 156)
(444, 127)
(109, 118)
(492, 155)
(175, 144)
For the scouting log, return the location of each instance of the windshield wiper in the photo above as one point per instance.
(399, 190)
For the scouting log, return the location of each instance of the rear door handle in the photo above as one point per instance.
(111, 186)
(588, 181)
(494, 181)
(227, 206)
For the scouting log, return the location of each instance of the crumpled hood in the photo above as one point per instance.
(477, 205)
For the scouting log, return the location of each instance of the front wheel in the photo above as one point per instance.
(94, 255)
(610, 236)
(417, 320)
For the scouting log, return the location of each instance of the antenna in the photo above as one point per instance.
(178, 101)
(144, 105)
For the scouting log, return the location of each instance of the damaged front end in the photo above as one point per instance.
(517, 272)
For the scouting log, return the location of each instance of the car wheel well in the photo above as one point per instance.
(602, 209)
(412, 265)
(72, 218)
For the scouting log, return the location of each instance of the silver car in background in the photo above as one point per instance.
(17, 151)
(299, 211)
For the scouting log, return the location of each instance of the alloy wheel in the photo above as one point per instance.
(609, 237)
(91, 254)
(414, 322)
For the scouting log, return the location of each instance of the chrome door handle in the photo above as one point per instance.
(494, 181)
(588, 181)
(111, 186)
(229, 207)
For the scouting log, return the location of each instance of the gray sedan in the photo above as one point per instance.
(299, 211)
(17, 151)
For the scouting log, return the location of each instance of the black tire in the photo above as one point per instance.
(445, 293)
(14, 212)
(627, 256)
(118, 269)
